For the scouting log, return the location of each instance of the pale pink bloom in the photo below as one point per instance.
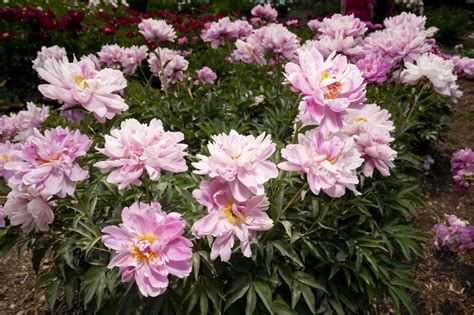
(463, 66)
(241, 161)
(362, 120)
(29, 209)
(133, 58)
(205, 76)
(157, 29)
(45, 53)
(349, 46)
(2, 217)
(79, 83)
(329, 87)
(406, 18)
(182, 40)
(329, 162)
(111, 55)
(337, 24)
(249, 51)
(265, 12)
(224, 29)
(149, 246)
(462, 168)
(374, 68)
(136, 147)
(18, 127)
(47, 163)
(94, 59)
(401, 43)
(173, 62)
(276, 39)
(229, 218)
(437, 70)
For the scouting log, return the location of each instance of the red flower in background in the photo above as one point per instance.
(108, 29)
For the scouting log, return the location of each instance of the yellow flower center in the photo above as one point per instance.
(230, 216)
(5, 157)
(331, 159)
(142, 250)
(325, 75)
(361, 118)
(79, 79)
(333, 90)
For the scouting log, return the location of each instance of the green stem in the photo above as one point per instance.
(292, 200)
(411, 111)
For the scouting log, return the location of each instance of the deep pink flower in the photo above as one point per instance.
(47, 163)
(108, 29)
(265, 12)
(29, 209)
(80, 83)
(374, 68)
(329, 162)
(462, 168)
(157, 29)
(455, 230)
(228, 219)
(150, 246)
(136, 147)
(329, 87)
(241, 161)
(466, 239)
(182, 40)
(205, 76)
(55, 52)
(20, 126)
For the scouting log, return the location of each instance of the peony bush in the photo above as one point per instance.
(237, 167)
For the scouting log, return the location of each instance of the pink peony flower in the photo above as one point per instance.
(466, 239)
(133, 58)
(374, 68)
(183, 40)
(79, 83)
(29, 209)
(223, 30)
(406, 18)
(463, 66)
(241, 161)
(349, 46)
(337, 24)
(111, 55)
(205, 76)
(456, 230)
(401, 43)
(20, 126)
(228, 219)
(157, 29)
(249, 51)
(6, 150)
(173, 62)
(265, 12)
(462, 168)
(329, 87)
(135, 148)
(45, 53)
(276, 39)
(46, 163)
(371, 116)
(150, 246)
(329, 163)
(437, 70)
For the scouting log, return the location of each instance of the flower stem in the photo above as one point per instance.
(411, 111)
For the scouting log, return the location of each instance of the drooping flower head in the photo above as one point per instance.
(46, 163)
(240, 161)
(228, 219)
(329, 162)
(45, 53)
(454, 230)
(329, 87)
(157, 29)
(437, 70)
(149, 246)
(136, 147)
(265, 12)
(29, 209)
(19, 126)
(205, 75)
(80, 83)
(374, 68)
(337, 24)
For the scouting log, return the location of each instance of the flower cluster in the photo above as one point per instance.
(19, 126)
(462, 168)
(150, 246)
(455, 231)
(80, 83)
(136, 147)
(128, 59)
(235, 197)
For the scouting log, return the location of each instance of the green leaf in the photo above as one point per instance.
(265, 294)
(52, 293)
(403, 296)
(308, 279)
(38, 253)
(203, 304)
(308, 297)
(288, 251)
(251, 301)
(280, 307)
(239, 288)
